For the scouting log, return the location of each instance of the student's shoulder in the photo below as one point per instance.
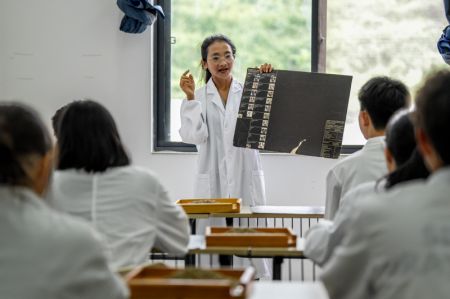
(143, 175)
(70, 232)
(343, 162)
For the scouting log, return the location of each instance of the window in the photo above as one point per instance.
(396, 38)
(278, 32)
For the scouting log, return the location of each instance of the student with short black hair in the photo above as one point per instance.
(95, 181)
(406, 253)
(44, 253)
(379, 98)
(403, 163)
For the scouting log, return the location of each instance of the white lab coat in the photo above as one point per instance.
(128, 206)
(398, 244)
(367, 164)
(46, 254)
(321, 239)
(223, 170)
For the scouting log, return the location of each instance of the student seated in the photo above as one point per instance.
(398, 242)
(404, 164)
(379, 99)
(95, 181)
(44, 254)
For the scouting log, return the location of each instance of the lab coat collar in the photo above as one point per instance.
(375, 142)
(211, 89)
(24, 193)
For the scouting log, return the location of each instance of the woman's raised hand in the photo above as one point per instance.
(187, 84)
(265, 68)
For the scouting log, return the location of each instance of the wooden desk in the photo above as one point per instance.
(197, 245)
(288, 290)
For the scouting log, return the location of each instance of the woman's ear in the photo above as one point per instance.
(203, 64)
(431, 157)
(390, 162)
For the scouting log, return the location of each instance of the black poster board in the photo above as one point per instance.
(293, 112)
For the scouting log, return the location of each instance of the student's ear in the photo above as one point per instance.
(426, 149)
(365, 118)
(390, 162)
(364, 122)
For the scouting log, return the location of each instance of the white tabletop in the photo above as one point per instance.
(288, 290)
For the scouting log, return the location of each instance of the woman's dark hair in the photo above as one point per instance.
(22, 133)
(401, 142)
(400, 139)
(88, 138)
(56, 119)
(433, 112)
(412, 169)
(207, 42)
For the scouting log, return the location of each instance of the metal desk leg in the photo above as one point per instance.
(189, 260)
(226, 260)
(276, 267)
(193, 224)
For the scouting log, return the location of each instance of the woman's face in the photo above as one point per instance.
(220, 60)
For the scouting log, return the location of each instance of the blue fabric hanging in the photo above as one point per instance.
(443, 45)
(138, 15)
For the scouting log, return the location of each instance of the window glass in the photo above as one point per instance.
(396, 38)
(277, 32)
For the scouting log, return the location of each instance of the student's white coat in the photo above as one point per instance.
(397, 245)
(46, 254)
(128, 206)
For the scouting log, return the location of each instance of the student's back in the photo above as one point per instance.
(406, 255)
(128, 206)
(43, 253)
(379, 99)
(95, 181)
(404, 164)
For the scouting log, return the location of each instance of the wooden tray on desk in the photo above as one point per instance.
(148, 283)
(257, 237)
(210, 205)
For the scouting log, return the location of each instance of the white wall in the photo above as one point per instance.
(53, 51)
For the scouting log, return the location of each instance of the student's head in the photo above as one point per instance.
(56, 118)
(218, 53)
(400, 139)
(403, 161)
(88, 138)
(25, 148)
(379, 99)
(433, 120)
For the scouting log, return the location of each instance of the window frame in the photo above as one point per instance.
(162, 65)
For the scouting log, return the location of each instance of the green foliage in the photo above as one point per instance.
(395, 38)
(277, 32)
